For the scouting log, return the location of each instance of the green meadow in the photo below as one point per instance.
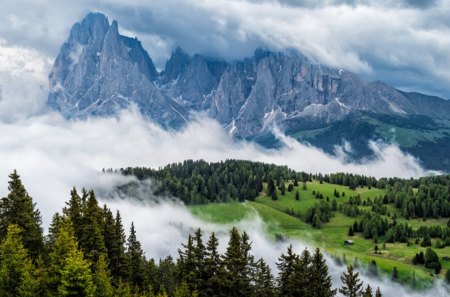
(331, 235)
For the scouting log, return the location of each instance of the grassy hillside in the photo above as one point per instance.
(279, 216)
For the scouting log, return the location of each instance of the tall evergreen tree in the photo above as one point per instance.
(65, 242)
(76, 278)
(182, 290)
(73, 210)
(123, 289)
(92, 242)
(373, 269)
(214, 270)
(237, 262)
(108, 231)
(187, 263)
(367, 292)
(286, 266)
(118, 260)
(264, 282)
(16, 269)
(199, 256)
(394, 276)
(351, 285)
(53, 230)
(378, 293)
(18, 208)
(320, 281)
(299, 283)
(102, 280)
(167, 275)
(136, 257)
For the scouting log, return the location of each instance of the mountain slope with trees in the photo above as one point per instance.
(85, 254)
(388, 220)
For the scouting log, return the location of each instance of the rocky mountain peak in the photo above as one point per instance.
(99, 71)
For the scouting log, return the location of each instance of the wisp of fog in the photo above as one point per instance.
(54, 154)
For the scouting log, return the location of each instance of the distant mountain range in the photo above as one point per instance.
(99, 72)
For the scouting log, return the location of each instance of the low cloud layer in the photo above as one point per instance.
(53, 154)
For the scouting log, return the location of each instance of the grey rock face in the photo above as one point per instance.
(99, 72)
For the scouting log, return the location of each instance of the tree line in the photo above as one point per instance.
(87, 253)
(196, 182)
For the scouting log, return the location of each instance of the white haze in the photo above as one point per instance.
(52, 155)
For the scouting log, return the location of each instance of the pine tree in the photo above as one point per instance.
(162, 293)
(320, 280)
(299, 283)
(167, 275)
(18, 208)
(248, 263)
(378, 293)
(394, 275)
(182, 290)
(199, 255)
(236, 261)
(40, 277)
(123, 289)
(136, 256)
(297, 195)
(264, 282)
(16, 269)
(73, 211)
(76, 278)
(118, 260)
(351, 285)
(274, 195)
(214, 270)
(286, 266)
(350, 231)
(102, 280)
(92, 242)
(108, 231)
(151, 280)
(270, 187)
(53, 230)
(282, 187)
(367, 292)
(187, 263)
(65, 242)
(373, 269)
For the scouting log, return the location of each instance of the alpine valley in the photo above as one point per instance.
(99, 72)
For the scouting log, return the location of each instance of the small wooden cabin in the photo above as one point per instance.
(349, 242)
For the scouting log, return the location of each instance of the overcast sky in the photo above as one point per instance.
(404, 43)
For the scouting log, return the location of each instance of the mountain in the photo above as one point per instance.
(99, 72)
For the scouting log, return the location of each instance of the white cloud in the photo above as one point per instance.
(53, 154)
(23, 80)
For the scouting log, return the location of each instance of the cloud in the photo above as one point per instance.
(23, 81)
(404, 43)
(53, 154)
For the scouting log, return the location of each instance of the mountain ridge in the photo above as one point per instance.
(99, 72)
